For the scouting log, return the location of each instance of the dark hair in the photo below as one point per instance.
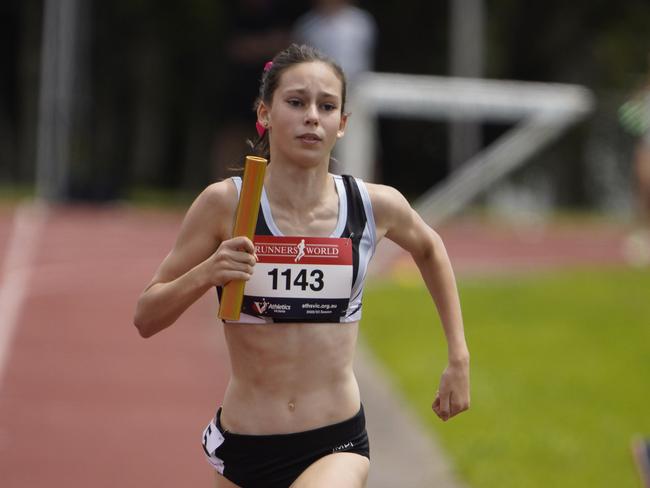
(291, 56)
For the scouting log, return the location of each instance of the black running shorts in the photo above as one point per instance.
(275, 461)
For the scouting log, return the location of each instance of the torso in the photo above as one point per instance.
(291, 377)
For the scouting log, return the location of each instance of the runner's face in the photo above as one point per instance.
(305, 118)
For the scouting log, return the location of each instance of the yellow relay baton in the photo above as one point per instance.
(245, 221)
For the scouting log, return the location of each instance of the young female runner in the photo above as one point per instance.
(291, 414)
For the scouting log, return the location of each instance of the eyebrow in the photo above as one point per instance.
(303, 91)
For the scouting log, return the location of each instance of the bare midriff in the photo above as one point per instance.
(289, 377)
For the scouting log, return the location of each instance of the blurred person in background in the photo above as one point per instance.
(344, 32)
(292, 413)
(635, 118)
(641, 456)
(258, 30)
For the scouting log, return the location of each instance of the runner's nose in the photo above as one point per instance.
(311, 114)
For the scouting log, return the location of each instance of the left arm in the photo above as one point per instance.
(401, 224)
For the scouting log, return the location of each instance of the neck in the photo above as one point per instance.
(295, 187)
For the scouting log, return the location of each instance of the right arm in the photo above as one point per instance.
(203, 256)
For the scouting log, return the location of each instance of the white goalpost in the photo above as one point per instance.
(543, 112)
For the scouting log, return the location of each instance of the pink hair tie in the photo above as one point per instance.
(268, 66)
(260, 129)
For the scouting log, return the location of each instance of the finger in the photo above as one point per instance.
(243, 267)
(243, 257)
(458, 406)
(436, 409)
(243, 243)
(444, 405)
(235, 276)
(436, 400)
(436, 405)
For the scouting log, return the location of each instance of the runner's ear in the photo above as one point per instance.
(263, 114)
(342, 125)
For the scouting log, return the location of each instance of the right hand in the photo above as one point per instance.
(234, 259)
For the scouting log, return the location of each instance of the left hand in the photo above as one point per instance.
(452, 396)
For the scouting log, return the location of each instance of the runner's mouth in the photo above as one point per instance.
(310, 137)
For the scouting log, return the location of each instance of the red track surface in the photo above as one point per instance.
(85, 402)
(482, 247)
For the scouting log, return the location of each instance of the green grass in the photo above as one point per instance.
(161, 198)
(560, 373)
(11, 194)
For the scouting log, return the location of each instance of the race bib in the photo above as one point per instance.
(300, 278)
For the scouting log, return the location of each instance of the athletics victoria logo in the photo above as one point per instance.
(264, 306)
(260, 307)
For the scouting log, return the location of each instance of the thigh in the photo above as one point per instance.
(342, 469)
(221, 482)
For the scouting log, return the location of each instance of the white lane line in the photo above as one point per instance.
(28, 222)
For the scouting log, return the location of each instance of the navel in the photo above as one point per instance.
(292, 406)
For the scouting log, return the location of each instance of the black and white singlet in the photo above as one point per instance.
(311, 279)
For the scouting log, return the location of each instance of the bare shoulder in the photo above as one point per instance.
(388, 205)
(221, 195)
(399, 222)
(385, 198)
(213, 209)
(207, 223)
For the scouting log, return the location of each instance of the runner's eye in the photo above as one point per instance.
(294, 102)
(328, 107)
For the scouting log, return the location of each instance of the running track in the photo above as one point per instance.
(85, 402)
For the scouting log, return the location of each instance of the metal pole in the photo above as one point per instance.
(465, 60)
(56, 98)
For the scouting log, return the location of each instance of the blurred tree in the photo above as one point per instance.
(591, 43)
(588, 42)
(156, 81)
(8, 105)
(20, 34)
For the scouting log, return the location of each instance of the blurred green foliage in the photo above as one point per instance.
(10, 194)
(154, 82)
(559, 373)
